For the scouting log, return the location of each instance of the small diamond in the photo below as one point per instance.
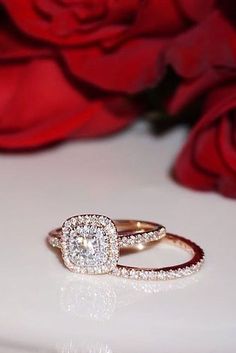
(161, 275)
(73, 221)
(67, 224)
(66, 230)
(124, 272)
(124, 240)
(55, 242)
(132, 273)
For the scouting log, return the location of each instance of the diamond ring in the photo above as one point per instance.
(90, 244)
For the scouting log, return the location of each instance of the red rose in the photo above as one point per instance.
(68, 68)
(204, 58)
(208, 160)
(39, 105)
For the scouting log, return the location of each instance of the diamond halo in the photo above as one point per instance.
(89, 244)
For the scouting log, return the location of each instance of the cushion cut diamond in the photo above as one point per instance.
(90, 244)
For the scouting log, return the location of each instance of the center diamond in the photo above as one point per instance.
(89, 244)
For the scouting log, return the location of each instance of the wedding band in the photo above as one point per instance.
(171, 272)
(90, 244)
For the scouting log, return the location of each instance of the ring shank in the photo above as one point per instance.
(170, 272)
(125, 226)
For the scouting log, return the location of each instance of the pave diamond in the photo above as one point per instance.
(89, 244)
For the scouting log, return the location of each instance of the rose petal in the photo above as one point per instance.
(38, 105)
(13, 45)
(207, 153)
(190, 89)
(159, 17)
(187, 171)
(32, 22)
(208, 160)
(211, 44)
(227, 186)
(226, 141)
(197, 10)
(135, 66)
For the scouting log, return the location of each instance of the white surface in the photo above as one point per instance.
(45, 308)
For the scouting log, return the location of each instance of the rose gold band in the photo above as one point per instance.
(170, 272)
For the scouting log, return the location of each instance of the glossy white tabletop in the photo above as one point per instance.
(45, 308)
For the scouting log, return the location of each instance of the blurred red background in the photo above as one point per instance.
(87, 68)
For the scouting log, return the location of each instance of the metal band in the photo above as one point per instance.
(170, 272)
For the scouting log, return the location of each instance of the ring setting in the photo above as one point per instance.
(89, 244)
